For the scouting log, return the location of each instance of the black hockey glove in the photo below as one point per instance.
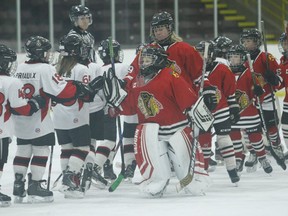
(96, 84)
(210, 99)
(36, 103)
(234, 114)
(271, 78)
(258, 90)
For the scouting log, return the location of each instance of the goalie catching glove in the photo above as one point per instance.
(113, 92)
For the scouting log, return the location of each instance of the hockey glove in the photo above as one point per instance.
(210, 99)
(234, 114)
(258, 90)
(36, 103)
(271, 78)
(113, 92)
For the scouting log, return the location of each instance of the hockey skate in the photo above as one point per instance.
(71, 186)
(212, 165)
(130, 169)
(240, 164)
(251, 163)
(233, 176)
(19, 188)
(87, 177)
(277, 153)
(265, 163)
(36, 193)
(97, 179)
(5, 200)
(108, 171)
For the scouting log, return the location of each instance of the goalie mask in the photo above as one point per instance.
(237, 57)
(104, 51)
(151, 60)
(283, 44)
(73, 45)
(8, 62)
(38, 49)
(79, 12)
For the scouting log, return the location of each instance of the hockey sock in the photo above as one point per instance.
(66, 152)
(285, 133)
(103, 152)
(77, 158)
(257, 143)
(39, 161)
(236, 138)
(22, 159)
(205, 143)
(227, 151)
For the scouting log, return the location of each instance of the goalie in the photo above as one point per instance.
(160, 98)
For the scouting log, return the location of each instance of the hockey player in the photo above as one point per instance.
(71, 119)
(249, 119)
(106, 124)
(269, 80)
(36, 133)
(81, 18)
(223, 79)
(283, 48)
(12, 102)
(163, 133)
(183, 58)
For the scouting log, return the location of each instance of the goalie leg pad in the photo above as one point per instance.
(152, 159)
(179, 152)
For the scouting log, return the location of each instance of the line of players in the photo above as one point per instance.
(74, 134)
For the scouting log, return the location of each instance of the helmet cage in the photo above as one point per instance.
(283, 44)
(8, 63)
(237, 51)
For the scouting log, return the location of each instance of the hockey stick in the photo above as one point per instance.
(50, 167)
(279, 161)
(56, 181)
(190, 173)
(267, 68)
(121, 175)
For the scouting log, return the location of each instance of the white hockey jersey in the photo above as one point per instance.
(74, 113)
(40, 79)
(11, 96)
(99, 100)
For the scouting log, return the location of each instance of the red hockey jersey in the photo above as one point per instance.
(162, 100)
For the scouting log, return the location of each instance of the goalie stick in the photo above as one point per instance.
(279, 161)
(121, 175)
(190, 173)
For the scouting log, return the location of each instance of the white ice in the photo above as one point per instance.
(257, 194)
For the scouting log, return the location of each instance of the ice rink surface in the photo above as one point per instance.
(257, 194)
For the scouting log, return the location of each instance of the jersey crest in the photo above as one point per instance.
(260, 79)
(242, 98)
(148, 104)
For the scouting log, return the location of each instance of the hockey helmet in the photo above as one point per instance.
(104, 51)
(283, 44)
(253, 34)
(200, 47)
(237, 57)
(222, 44)
(38, 49)
(77, 11)
(8, 59)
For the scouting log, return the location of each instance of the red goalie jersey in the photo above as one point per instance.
(162, 100)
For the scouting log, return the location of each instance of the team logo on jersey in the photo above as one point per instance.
(148, 104)
(175, 74)
(271, 57)
(260, 79)
(242, 98)
(173, 65)
(218, 94)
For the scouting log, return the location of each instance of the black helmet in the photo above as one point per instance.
(253, 34)
(73, 45)
(236, 65)
(151, 60)
(222, 44)
(162, 18)
(281, 46)
(104, 51)
(79, 10)
(37, 48)
(7, 60)
(200, 47)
